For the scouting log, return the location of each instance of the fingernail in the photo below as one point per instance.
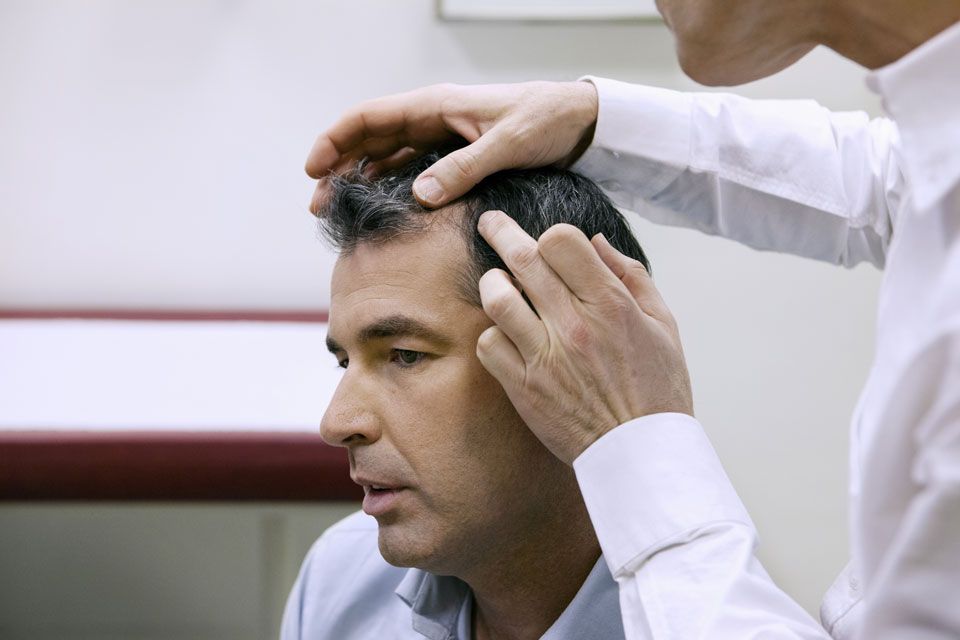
(485, 218)
(428, 189)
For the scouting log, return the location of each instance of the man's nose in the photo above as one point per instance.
(351, 418)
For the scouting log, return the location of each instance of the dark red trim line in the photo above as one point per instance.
(192, 315)
(171, 465)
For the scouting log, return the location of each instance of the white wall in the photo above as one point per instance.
(152, 156)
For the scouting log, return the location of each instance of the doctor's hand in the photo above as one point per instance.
(602, 348)
(508, 126)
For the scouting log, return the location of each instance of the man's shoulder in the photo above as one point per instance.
(345, 585)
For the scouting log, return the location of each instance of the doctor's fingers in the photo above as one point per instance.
(389, 118)
(322, 190)
(549, 295)
(394, 161)
(459, 171)
(530, 124)
(499, 356)
(636, 279)
(508, 126)
(576, 261)
(504, 304)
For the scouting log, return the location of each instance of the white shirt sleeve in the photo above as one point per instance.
(678, 540)
(783, 175)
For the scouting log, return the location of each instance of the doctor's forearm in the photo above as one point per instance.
(824, 184)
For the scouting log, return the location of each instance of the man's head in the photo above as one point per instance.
(417, 411)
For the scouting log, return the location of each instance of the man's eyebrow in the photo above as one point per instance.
(392, 327)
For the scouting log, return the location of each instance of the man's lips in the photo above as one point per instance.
(379, 496)
(370, 483)
(380, 501)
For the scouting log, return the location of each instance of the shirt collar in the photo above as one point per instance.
(436, 601)
(921, 91)
(594, 612)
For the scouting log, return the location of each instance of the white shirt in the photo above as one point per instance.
(347, 591)
(791, 176)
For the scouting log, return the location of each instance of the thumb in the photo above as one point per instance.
(457, 172)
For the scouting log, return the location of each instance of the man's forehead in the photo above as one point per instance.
(430, 257)
(417, 274)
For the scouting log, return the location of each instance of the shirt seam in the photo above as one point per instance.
(783, 189)
(675, 539)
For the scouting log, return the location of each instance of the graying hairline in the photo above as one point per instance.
(467, 280)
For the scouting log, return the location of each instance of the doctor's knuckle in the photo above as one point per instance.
(619, 306)
(487, 342)
(498, 305)
(465, 163)
(522, 257)
(537, 392)
(635, 276)
(445, 94)
(524, 134)
(442, 88)
(636, 271)
(580, 335)
(558, 237)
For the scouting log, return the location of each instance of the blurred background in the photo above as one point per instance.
(151, 182)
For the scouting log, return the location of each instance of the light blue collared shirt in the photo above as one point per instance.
(347, 591)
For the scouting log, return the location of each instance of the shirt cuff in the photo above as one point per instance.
(652, 482)
(643, 135)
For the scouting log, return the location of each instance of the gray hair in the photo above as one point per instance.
(361, 210)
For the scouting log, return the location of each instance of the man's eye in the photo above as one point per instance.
(406, 357)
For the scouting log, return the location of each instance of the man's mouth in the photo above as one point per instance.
(380, 495)
(375, 484)
(379, 499)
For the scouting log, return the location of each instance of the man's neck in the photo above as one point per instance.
(519, 594)
(875, 33)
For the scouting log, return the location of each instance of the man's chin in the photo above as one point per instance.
(402, 547)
